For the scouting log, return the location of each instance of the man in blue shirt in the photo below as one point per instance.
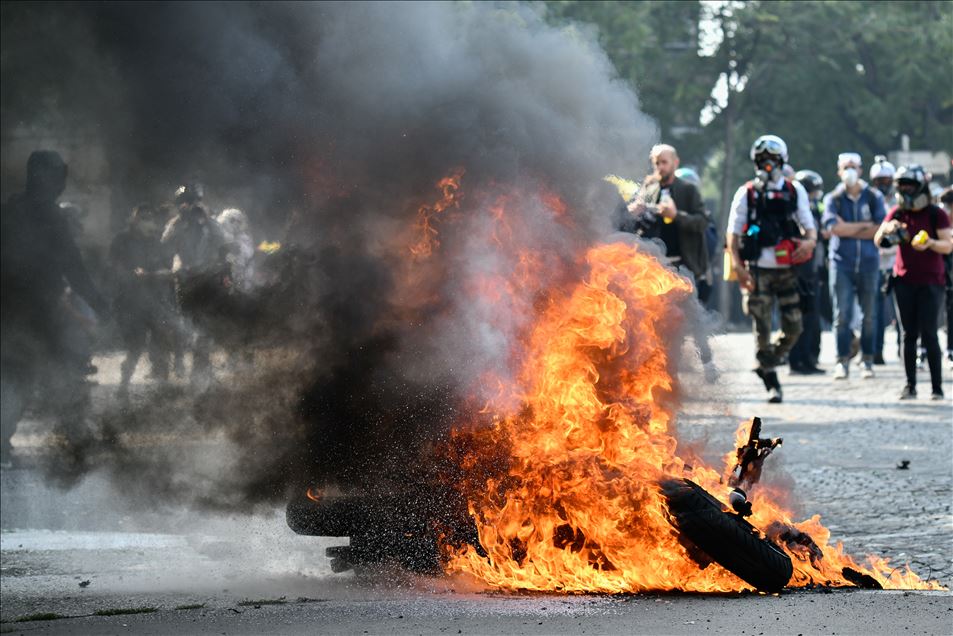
(852, 213)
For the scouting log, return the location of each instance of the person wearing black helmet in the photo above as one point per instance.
(922, 232)
(195, 241)
(806, 351)
(39, 259)
(770, 229)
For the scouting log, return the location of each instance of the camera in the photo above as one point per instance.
(647, 222)
(900, 235)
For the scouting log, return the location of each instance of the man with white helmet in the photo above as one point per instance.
(770, 229)
(881, 177)
(852, 213)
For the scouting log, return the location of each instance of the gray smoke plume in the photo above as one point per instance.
(331, 123)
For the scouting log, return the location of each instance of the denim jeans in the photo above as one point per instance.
(847, 286)
(883, 314)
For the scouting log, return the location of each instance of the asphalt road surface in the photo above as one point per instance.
(87, 560)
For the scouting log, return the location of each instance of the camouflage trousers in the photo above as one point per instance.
(771, 285)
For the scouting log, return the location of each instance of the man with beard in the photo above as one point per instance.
(39, 259)
(144, 304)
(195, 240)
(681, 220)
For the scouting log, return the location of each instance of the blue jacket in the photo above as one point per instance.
(854, 254)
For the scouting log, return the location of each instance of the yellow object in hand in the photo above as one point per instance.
(921, 238)
(627, 189)
(727, 268)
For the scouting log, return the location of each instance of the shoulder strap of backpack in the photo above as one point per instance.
(752, 199)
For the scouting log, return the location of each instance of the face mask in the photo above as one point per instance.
(849, 176)
(910, 201)
(885, 189)
(765, 172)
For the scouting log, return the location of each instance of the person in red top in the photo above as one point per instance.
(922, 230)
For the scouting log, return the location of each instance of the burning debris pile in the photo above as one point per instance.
(566, 470)
(578, 507)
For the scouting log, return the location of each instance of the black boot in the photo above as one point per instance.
(774, 387)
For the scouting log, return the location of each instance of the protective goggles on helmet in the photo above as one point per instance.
(770, 145)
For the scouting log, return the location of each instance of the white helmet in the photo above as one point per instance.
(771, 144)
(882, 168)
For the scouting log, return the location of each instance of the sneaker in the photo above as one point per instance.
(879, 359)
(841, 371)
(867, 371)
(774, 395)
(908, 393)
(937, 394)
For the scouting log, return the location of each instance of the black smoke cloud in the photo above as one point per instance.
(330, 123)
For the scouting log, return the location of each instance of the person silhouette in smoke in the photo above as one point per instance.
(40, 265)
(197, 244)
(144, 303)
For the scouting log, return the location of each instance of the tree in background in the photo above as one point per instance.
(825, 76)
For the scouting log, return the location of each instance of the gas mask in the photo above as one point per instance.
(909, 199)
(767, 169)
(849, 177)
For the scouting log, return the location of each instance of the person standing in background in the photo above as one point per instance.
(922, 232)
(852, 213)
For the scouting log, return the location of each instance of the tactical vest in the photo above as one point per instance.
(774, 213)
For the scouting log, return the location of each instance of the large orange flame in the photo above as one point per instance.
(578, 509)
(427, 215)
(563, 486)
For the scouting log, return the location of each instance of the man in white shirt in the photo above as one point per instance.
(770, 228)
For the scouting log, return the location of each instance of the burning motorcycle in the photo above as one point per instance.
(413, 529)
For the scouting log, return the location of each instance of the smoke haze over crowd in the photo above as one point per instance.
(331, 123)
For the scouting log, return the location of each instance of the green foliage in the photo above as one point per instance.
(826, 76)
(654, 47)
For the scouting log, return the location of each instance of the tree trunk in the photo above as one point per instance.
(724, 291)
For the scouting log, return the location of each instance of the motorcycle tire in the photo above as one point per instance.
(726, 538)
